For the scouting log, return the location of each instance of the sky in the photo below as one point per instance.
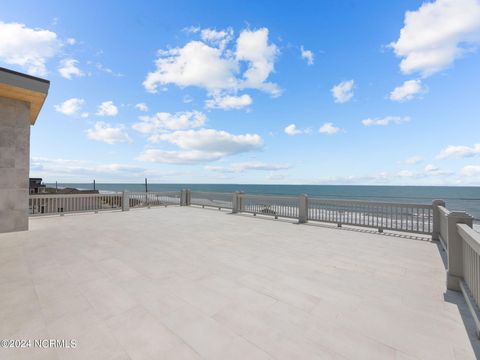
(268, 92)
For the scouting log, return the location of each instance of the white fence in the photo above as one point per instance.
(415, 218)
(62, 203)
(211, 199)
(72, 203)
(283, 206)
(148, 199)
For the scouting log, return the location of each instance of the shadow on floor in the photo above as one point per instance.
(457, 299)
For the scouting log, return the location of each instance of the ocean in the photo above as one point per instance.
(463, 198)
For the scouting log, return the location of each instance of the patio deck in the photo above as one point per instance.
(190, 283)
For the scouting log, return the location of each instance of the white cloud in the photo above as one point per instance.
(163, 122)
(407, 91)
(292, 130)
(27, 47)
(328, 128)
(177, 157)
(108, 134)
(406, 174)
(142, 107)
(70, 107)
(78, 170)
(71, 41)
(107, 70)
(107, 108)
(260, 166)
(380, 178)
(471, 170)
(202, 145)
(253, 47)
(187, 99)
(436, 34)
(242, 167)
(412, 160)
(386, 121)
(307, 55)
(433, 176)
(214, 141)
(459, 151)
(343, 91)
(430, 168)
(68, 68)
(219, 169)
(229, 102)
(215, 68)
(196, 64)
(276, 176)
(218, 38)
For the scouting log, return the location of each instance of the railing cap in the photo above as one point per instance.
(460, 215)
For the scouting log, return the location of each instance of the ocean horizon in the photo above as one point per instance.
(461, 198)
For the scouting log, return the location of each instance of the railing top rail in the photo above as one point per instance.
(153, 192)
(50, 196)
(212, 193)
(363, 202)
(470, 236)
(274, 197)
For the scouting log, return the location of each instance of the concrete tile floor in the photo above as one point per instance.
(190, 283)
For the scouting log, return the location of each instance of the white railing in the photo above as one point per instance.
(471, 259)
(462, 246)
(69, 203)
(211, 199)
(277, 206)
(415, 218)
(149, 199)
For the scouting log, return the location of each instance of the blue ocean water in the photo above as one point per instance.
(456, 197)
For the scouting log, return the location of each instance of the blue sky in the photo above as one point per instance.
(320, 92)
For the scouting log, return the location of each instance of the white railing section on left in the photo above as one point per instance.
(415, 218)
(70, 203)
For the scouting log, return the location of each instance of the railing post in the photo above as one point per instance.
(235, 203)
(455, 248)
(125, 201)
(183, 201)
(188, 197)
(302, 209)
(436, 219)
(241, 203)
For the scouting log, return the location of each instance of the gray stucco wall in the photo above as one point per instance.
(14, 164)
